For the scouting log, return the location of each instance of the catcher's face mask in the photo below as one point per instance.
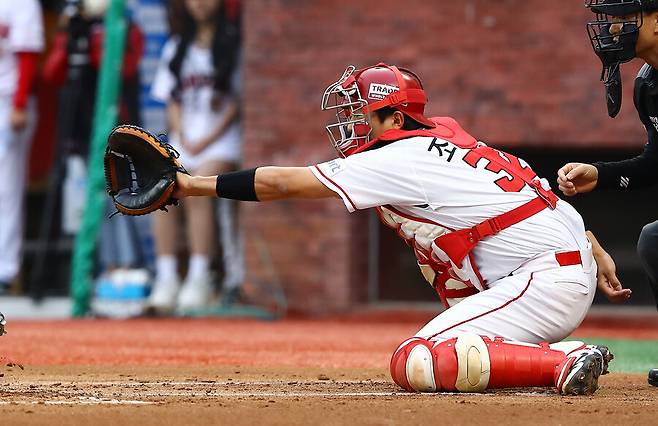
(351, 128)
(613, 35)
(2, 324)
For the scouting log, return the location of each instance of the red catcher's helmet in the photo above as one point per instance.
(359, 92)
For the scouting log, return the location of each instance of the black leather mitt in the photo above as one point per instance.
(140, 170)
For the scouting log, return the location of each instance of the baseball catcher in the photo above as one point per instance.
(140, 171)
(510, 260)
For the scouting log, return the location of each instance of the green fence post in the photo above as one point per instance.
(105, 117)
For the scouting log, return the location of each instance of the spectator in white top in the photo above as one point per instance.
(199, 79)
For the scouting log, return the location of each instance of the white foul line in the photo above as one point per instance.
(80, 401)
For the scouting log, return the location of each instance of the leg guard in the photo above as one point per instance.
(471, 363)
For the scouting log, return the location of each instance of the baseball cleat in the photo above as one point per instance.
(653, 377)
(607, 357)
(579, 373)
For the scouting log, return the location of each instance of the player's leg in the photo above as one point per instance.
(232, 250)
(463, 350)
(647, 249)
(533, 307)
(198, 289)
(14, 150)
(166, 284)
(226, 154)
(473, 363)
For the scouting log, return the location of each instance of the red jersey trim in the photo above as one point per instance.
(347, 197)
(488, 312)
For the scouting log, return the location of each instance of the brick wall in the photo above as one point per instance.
(512, 72)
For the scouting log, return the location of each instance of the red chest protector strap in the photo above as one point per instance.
(458, 244)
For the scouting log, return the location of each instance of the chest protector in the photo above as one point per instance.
(445, 255)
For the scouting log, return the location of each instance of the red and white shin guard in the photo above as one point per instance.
(472, 363)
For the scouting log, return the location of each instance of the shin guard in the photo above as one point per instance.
(471, 363)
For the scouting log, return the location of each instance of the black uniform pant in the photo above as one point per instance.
(647, 249)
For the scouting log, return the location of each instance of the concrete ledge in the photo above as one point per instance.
(21, 307)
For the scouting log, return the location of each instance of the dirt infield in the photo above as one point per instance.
(285, 396)
(155, 372)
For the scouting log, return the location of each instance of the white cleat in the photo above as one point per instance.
(196, 293)
(163, 295)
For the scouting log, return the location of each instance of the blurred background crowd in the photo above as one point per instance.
(213, 74)
(181, 75)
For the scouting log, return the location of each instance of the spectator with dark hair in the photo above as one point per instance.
(199, 79)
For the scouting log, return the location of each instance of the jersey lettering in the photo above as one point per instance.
(442, 148)
(512, 181)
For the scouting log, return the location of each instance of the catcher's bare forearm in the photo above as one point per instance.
(261, 184)
(194, 186)
(278, 183)
(596, 246)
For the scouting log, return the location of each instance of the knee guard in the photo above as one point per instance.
(412, 366)
(458, 364)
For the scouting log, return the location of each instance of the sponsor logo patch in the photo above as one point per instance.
(335, 166)
(380, 91)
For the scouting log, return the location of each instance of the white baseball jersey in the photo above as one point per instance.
(197, 92)
(21, 30)
(429, 178)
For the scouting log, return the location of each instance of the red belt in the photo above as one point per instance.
(568, 258)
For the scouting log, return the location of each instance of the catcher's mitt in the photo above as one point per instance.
(140, 170)
(2, 324)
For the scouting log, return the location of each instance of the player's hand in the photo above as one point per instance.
(606, 278)
(195, 186)
(183, 185)
(18, 119)
(576, 178)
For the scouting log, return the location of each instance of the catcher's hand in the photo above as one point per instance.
(140, 170)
